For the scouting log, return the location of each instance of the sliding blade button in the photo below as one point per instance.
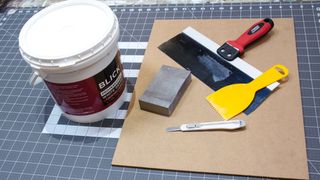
(192, 126)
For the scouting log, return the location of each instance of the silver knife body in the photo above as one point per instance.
(219, 125)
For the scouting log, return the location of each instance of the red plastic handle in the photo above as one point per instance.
(256, 31)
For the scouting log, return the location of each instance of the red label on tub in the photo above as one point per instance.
(93, 94)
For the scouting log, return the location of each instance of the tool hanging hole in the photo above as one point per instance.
(280, 70)
(229, 55)
(222, 50)
(283, 71)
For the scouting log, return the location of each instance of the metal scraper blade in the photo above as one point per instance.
(197, 53)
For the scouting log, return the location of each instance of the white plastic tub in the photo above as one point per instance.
(72, 47)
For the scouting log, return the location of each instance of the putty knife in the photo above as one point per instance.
(233, 99)
(197, 53)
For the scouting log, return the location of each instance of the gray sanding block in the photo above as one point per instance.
(165, 90)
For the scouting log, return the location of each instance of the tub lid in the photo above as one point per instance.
(67, 33)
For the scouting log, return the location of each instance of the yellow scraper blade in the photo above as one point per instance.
(233, 99)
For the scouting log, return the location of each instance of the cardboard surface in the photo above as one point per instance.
(273, 143)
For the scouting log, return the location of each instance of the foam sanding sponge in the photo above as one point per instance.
(165, 90)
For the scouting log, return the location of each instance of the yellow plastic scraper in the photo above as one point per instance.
(233, 99)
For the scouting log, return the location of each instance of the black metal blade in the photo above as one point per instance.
(207, 66)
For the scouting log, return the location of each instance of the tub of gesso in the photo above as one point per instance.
(72, 47)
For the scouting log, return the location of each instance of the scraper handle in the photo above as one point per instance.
(255, 32)
(272, 75)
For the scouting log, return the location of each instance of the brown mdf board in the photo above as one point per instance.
(272, 144)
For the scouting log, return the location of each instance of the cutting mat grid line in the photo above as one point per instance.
(27, 153)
